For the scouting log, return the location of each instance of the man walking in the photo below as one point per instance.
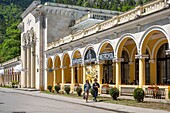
(95, 88)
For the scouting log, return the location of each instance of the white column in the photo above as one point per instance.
(118, 73)
(72, 78)
(24, 66)
(62, 74)
(28, 66)
(33, 65)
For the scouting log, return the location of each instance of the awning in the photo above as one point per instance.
(17, 68)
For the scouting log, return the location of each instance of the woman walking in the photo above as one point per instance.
(86, 89)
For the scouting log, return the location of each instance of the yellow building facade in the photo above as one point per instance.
(123, 50)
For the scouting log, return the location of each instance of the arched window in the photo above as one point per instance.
(125, 69)
(163, 66)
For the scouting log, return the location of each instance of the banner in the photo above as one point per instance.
(106, 56)
(76, 61)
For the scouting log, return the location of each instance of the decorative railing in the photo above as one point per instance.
(155, 92)
(127, 89)
(116, 20)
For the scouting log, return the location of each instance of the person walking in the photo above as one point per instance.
(86, 90)
(95, 88)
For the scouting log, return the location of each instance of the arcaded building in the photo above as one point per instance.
(68, 44)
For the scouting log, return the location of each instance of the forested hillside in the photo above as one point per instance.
(10, 11)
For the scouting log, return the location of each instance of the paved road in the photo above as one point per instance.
(15, 102)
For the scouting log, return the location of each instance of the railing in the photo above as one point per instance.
(127, 89)
(83, 18)
(116, 20)
(155, 92)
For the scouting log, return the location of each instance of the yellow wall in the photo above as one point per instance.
(50, 74)
(67, 70)
(58, 76)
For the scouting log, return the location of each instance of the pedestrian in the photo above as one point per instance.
(95, 88)
(86, 90)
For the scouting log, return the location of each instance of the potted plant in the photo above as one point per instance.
(79, 91)
(49, 88)
(114, 93)
(57, 88)
(67, 89)
(138, 94)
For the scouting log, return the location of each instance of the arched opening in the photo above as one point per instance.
(57, 69)
(67, 69)
(127, 50)
(90, 66)
(78, 70)
(50, 72)
(106, 55)
(163, 66)
(154, 65)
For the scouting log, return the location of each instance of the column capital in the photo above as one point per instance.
(63, 67)
(141, 56)
(152, 61)
(118, 60)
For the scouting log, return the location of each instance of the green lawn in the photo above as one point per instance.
(151, 105)
(5, 87)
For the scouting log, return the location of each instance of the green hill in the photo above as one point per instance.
(10, 11)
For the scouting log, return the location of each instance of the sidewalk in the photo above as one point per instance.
(99, 105)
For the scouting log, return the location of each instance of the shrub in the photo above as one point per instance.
(49, 88)
(138, 94)
(92, 91)
(79, 91)
(57, 88)
(67, 89)
(114, 93)
(14, 83)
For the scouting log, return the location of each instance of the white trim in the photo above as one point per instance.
(123, 37)
(149, 30)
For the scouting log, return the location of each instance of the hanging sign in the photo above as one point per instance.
(90, 56)
(106, 56)
(76, 61)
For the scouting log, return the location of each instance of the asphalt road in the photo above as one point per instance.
(17, 103)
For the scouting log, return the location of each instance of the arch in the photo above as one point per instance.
(49, 62)
(157, 46)
(145, 37)
(55, 56)
(123, 39)
(62, 57)
(87, 48)
(49, 72)
(66, 66)
(57, 69)
(106, 41)
(74, 52)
